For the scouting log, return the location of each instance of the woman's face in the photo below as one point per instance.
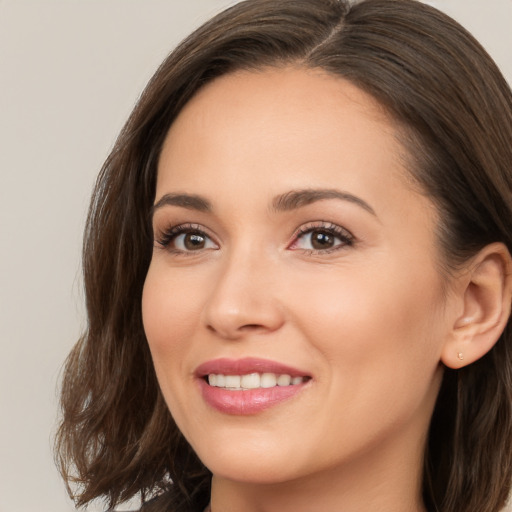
(295, 268)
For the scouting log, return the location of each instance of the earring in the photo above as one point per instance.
(460, 355)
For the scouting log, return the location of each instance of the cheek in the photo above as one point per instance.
(379, 338)
(374, 326)
(169, 316)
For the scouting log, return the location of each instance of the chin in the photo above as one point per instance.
(258, 473)
(250, 462)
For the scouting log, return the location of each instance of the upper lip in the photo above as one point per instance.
(246, 365)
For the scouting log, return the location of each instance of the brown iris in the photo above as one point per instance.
(322, 240)
(194, 241)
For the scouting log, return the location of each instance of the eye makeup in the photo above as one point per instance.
(316, 237)
(321, 237)
(185, 238)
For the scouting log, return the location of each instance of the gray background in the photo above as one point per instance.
(70, 72)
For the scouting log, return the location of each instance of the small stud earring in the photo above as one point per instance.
(460, 355)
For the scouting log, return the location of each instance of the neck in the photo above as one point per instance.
(229, 497)
(378, 480)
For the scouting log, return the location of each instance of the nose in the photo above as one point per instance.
(242, 300)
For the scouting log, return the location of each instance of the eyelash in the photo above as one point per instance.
(342, 234)
(170, 234)
(347, 239)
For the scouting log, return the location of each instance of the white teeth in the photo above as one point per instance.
(285, 380)
(252, 381)
(232, 381)
(268, 380)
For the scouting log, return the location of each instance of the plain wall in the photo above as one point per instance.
(70, 72)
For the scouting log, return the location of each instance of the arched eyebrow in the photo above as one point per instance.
(188, 201)
(285, 202)
(299, 198)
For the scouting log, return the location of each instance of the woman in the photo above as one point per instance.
(298, 273)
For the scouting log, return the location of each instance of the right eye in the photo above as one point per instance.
(186, 239)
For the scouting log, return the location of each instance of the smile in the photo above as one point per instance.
(248, 386)
(253, 381)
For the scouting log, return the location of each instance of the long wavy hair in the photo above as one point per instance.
(454, 109)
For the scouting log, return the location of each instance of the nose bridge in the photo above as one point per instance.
(242, 297)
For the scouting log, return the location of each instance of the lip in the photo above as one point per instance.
(250, 401)
(245, 366)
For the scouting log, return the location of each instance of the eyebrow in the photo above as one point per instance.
(299, 198)
(291, 200)
(188, 201)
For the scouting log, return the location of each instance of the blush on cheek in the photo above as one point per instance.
(167, 323)
(155, 325)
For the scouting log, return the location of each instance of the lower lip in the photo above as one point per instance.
(247, 401)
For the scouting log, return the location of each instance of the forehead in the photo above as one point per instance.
(278, 120)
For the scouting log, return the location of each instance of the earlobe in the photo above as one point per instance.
(486, 296)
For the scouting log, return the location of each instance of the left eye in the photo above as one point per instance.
(192, 241)
(322, 239)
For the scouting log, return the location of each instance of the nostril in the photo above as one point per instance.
(237, 332)
(251, 327)
(228, 320)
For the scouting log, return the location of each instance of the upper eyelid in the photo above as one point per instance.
(183, 227)
(174, 230)
(338, 231)
(327, 225)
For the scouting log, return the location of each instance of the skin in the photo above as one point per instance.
(368, 320)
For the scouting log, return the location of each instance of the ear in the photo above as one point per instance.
(485, 293)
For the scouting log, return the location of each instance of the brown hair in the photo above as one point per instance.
(117, 436)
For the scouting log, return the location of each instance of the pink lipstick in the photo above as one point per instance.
(248, 386)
